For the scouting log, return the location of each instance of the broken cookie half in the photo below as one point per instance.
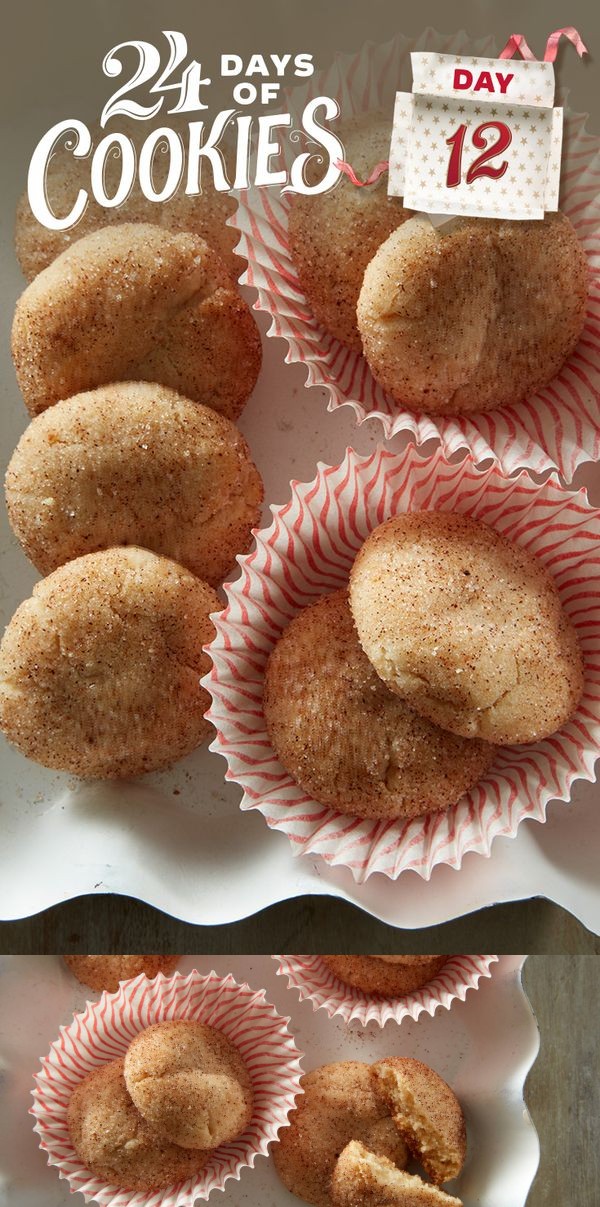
(362, 1179)
(427, 1114)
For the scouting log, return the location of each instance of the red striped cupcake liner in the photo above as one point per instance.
(105, 1030)
(307, 551)
(559, 426)
(316, 983)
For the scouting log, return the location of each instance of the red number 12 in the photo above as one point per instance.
(479, 167)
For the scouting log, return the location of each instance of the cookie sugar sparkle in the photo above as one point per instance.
(467, 627)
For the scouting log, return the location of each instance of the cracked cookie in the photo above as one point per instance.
(362, 1179)
(116, 1144)
(475, 315)
(340, 1103)
(345, 737)
(466, 627)
(189, 1083)
(100, 668)
(134, 464)
(426, 1112)
(136, 303)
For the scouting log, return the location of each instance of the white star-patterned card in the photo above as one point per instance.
(477, 136)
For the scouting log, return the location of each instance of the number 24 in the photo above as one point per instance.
(480, 166)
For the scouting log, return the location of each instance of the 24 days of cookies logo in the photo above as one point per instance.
(170, 96)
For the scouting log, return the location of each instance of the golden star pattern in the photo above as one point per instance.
(427, 118)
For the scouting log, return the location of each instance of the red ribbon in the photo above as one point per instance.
(568, 32)
(348, 170)
(517, 42)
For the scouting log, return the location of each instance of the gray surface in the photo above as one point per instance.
(104, 923)
(563, 1089)
(68, 34)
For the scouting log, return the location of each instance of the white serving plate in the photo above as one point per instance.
(484, 1046)
(178, 840)
(194, 855)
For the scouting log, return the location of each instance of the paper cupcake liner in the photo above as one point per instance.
(316, 983)
(307, 551)
(559, 426)
(105, 1030)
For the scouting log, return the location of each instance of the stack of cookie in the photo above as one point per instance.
(467, 317)
(132, 489)
(356, 1127)
(389, 699)
(155, 1117)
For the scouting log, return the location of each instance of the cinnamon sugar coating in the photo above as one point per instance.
(362, 1179)
(340, 1103)
(106, 972)
(427, 1113)
(136, 303)
(473, 316)
(189, 1083)
(345, 737)
(205, 214)
(466, 627)
(100, 668)
(134, 464)
(116, 1144)
(392, 976)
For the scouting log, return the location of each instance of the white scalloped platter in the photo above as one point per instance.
(484, 1046)
(178, 840)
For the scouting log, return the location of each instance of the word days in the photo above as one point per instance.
(254, 144)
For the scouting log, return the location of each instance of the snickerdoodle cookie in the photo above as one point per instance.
(136, 303)
(362, 1179)
(100, 668)
(474, 315)
(190, 1083)
(134, 464)
(203, 213)
(116, 1144)
(345, 737)
(427, 1113)
(334, 235)
(340, 1103)
(467, 627)
(106, 972)
(389, 977)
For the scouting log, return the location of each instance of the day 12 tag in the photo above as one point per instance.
(477, 136)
